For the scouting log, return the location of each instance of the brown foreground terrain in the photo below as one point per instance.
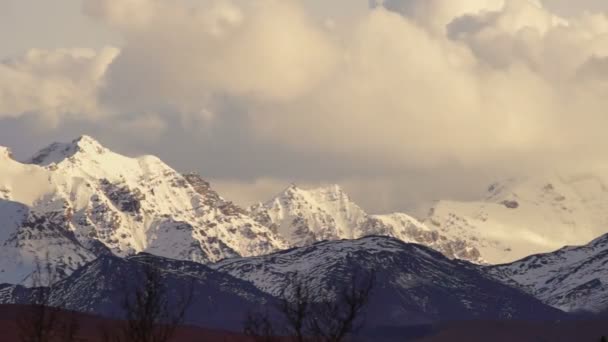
(509, 331)
(469, 331)
(91, 328)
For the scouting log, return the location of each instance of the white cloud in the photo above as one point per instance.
(53, 83)
(153, 125)
(181, 56)
(418, 87)
(436, 14)
(247, 193)
(504, 91)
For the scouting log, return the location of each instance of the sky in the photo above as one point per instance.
(402, 102)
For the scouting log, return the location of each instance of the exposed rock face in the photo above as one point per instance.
(212, 198)
(123, 197)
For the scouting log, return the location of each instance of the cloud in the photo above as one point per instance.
(182, 57)
(152, 124)
(247, 193)
(410, 82)
(499, 87)
(386, 97)
(437, 14)
(570, 8)
(53, 84)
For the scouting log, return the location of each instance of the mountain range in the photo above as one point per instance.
(304, 216)
(92, 212)
(414, 285)
(79, 200)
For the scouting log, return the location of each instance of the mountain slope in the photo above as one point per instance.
(572, 278)
(218, 300)
(31, 223)
(303, 217)
(518, 218)
(97, 201)
(414, 283)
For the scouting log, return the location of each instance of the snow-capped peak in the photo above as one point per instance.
(101, 201)
(305, 216)
(5, 153)
(57, 152)
(327, 213)
(323, 193)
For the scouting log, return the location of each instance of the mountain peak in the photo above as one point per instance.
(302, 216)
(57, 152)
(5, 153)
(87, 141)
(293, 187)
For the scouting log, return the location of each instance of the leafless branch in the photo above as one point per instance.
(258, 327)
(306, 319)
(150, 317)
(41, 321)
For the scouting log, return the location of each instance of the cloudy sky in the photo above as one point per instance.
(400, 101)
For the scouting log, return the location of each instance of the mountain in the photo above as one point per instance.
(78, 200)
(303, 217)
(414, 284)
(218, 300)
(520, 217)
(572, 278)
(31, 224)
(307, 216)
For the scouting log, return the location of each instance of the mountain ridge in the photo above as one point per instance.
(573, 278)
(125, 205)
(100, 286)
(303, 217)
(415, 284)
(89, 200)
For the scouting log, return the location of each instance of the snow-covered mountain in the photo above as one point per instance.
(307, 216)
(521, 217)
(78, 200)
(72, 202)
(303, 217)
(414, 284)
(32, 224)
(572, 278)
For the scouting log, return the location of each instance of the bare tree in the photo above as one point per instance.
(295, 306)
(150, 317)
(334, 320)
(305, 319)
(42, 321)
(258, 327)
